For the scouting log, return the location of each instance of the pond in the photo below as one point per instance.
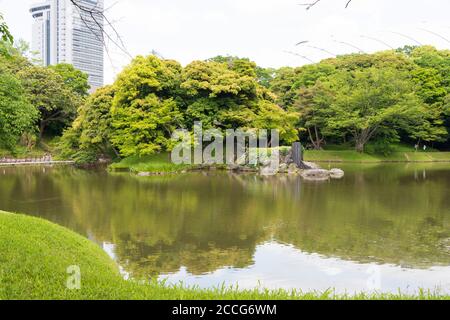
(382, 227)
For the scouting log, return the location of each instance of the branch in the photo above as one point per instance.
(309, 5)
(312, 4)
(98, 17)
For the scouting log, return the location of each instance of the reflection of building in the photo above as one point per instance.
(64, 33)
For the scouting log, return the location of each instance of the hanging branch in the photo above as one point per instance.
(309, 5)
(312, 4)
(98, 17)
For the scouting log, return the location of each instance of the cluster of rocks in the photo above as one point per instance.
(310, 171)
(307, 170)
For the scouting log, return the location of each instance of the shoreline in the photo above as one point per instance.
(37, 163)
(101, 276)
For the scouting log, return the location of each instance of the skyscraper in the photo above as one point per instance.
(63, 32)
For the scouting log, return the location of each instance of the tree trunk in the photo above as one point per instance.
(360, 146)
(42, 129)
(297, 155)
(316, 141)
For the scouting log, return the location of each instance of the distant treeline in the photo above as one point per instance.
(381, 99)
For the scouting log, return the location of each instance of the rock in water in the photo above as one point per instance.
(336, 173)
(283, 168)
(293, 169)
(312, 165)
(268, 171)
(316, 174)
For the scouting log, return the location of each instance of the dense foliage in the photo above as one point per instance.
(17, 115)
(152, 97)
(376, 98)
(36, 101)
(357, 100)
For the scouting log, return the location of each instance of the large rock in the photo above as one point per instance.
(283, 168)
(316, 174)
(336, 173)
(312, 165)
(268, 171)
(293, 169)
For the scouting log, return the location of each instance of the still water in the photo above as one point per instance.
(382, 227)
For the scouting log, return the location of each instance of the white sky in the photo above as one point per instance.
(262, 30)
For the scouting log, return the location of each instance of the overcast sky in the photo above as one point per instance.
(262, 30)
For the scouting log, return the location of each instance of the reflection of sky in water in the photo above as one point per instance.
(280, 266)
(190, 228)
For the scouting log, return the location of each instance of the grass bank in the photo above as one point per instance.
(46, 146)
(353, 156)
(154, 163)
(161, 163)
(36, 254)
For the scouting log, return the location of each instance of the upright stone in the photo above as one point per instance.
(297, 154)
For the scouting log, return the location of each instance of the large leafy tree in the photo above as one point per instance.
(73, 78)
(47, 91)
(313, 104)
(144, 111)
(373, 101)
(5, 34)
(215, 93)
(226, 93)
(17, 115)
(89, 137)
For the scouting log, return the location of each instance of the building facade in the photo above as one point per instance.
(65, 33)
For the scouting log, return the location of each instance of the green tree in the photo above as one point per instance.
(90, 135)
(17, 115)
(313, 104)
(56, 102)
(73, 78)
(144, 111)
(5, 34)
(372, 101)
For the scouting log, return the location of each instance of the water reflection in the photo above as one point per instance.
(197, 225)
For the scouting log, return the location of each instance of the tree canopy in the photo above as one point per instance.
(383, 97)
(17, 115)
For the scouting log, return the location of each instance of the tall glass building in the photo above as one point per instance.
(63, 32)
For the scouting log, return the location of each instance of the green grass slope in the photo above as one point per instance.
(35, 255)
(353, 156)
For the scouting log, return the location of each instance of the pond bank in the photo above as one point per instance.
(351, 156)
(160, 164)
(27, 242)
(34, 163)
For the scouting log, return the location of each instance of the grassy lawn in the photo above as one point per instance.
(22, 152)
(47, 145)
(35, 255)
(353, 156)
(161, 163)
(154, 163)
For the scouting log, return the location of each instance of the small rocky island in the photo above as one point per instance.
(290, 162)
(293, 165)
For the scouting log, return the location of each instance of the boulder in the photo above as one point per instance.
(268, 171)
(293, 169)
(312, 165)
(336, 173)
(316, 174)
(283, 168)
(144, 174)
